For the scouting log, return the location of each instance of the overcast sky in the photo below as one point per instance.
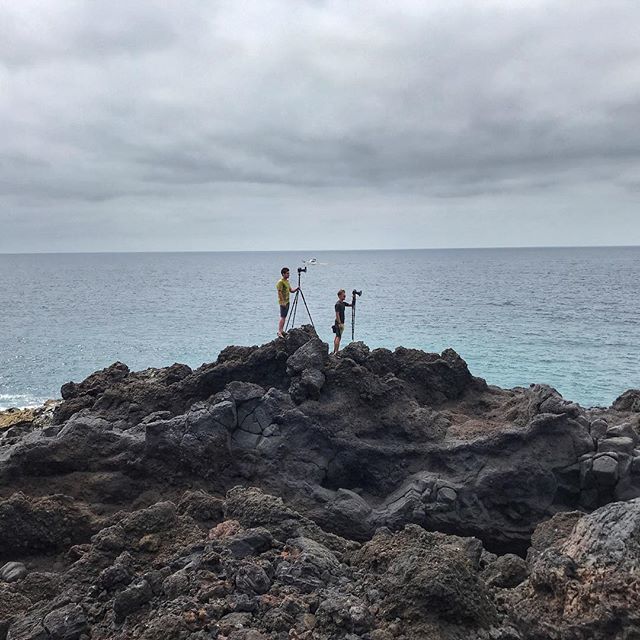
(203, 125)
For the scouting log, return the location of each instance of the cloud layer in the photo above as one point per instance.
(199, 125)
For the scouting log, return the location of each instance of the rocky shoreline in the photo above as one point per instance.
(284, 493)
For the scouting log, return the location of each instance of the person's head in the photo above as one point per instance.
(284, 272)
(342, 294)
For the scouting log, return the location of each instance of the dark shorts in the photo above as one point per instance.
(338, 329)
(284, 310)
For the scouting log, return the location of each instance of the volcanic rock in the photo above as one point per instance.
(282, 492)
(628, 401)
(13, 571)
(585, 584)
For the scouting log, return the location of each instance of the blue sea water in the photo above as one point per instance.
(567, 317)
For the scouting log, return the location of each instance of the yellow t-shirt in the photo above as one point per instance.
(284, 289)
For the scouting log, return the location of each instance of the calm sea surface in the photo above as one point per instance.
(566, 317)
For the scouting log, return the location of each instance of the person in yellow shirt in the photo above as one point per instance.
(284, 290)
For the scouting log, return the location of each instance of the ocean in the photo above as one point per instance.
(568, 317)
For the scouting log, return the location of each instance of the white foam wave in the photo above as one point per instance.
(19, 401)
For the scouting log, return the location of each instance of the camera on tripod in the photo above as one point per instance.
(355, 293)
(291, 320)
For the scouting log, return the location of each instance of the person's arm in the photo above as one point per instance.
(294, 289)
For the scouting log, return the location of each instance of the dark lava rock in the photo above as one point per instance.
(243, 499)
(67, 623)
(27, 628)
(585, 585)
(308, 565)
(425, 574)
(628, 401)
(341, 613)
(42, 524)
(131, 599)
(201, 506)
(13, 571)
(356, 441)
(507, 571)
(250, 542)
(252, 579)
(158, 517)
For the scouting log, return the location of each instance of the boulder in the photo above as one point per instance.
(506, 572)
(131, 599)
(250, 542)
(28, 627)
(311, 355)
(584, 585)
(343, 614)
(161, 516)
(598, 428)
(605, 470)
(619, 444)
(624, 430)
(201, 506)
(12, 606)
(308, 565)
(424, 575)
(307, 386)
(13, 571)
(628, 401)
(66, 623)
(252, 579)
(43, 524)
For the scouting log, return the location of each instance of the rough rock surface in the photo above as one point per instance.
(293, 580)
(355, 441)
(129, 503)
(586, 583)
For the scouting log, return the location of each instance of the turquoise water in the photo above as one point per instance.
(566, 317)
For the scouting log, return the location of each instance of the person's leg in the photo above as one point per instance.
(284, 310)
(336, 340)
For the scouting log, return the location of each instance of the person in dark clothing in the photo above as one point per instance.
(338, 327)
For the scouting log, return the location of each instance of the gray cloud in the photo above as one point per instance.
(115, 122)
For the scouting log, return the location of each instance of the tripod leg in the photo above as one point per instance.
(307, 308)
(294, 309)
(292, 314)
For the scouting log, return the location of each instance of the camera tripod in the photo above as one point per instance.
(354, 293)
(294, 307)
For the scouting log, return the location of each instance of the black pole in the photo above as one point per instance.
(295, 306)
(353, 317)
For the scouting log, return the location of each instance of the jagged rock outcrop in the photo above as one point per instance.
(628, 401)
(356, 441)
(281, 492)
(585, 583)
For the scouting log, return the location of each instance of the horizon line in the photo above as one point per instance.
(178, 251)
